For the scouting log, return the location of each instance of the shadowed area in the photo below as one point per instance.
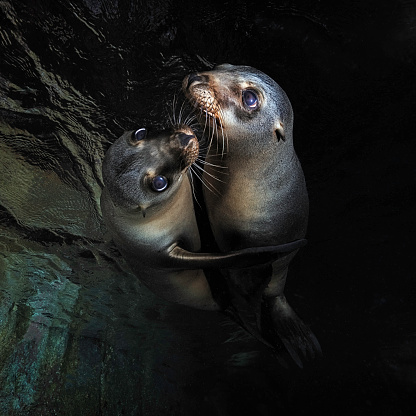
(79, 334)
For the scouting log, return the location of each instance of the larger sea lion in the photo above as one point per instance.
(261, 199)
(148, 208)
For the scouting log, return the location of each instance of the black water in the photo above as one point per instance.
(79, 335)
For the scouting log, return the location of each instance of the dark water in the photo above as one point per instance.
(79, 335)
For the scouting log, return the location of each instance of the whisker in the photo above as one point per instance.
(189, 119)
(209, 174)
(171, 120)
(174, 103)
(204, 181)
(204, 162)
(181, 112)
(214, 131)
(215, 174)
(183, 116)
(208, 185)
(191, 180)
(207, 135)
(172, 114)
(223, 134)
(206, 122)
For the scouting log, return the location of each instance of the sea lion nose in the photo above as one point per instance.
(185, 138)
(195, 77)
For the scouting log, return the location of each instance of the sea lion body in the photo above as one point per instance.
(146, 232)
(148, 208)
(261, 199)
(146, 242)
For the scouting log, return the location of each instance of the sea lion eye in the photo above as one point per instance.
(159, 183)
(139, 135)
(250, 99)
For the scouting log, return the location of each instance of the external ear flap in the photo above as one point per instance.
(280, 134)
(280, 131)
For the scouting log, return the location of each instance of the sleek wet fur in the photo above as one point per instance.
(148, 208)
(258, 195)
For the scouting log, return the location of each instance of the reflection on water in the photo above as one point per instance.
(78, 333)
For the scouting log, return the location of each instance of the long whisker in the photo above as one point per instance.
(205, 127)
(172, 117)
(185, 116)
(204, 162)
(172, 114)
(181, 112)
(216, 173)
(211, 187)
(174, 104)
(223, 133)
(215, 130)
(190, 119)
(207, 173)
(191, 179)
(223, 139)
(212, 129)
(205, 182)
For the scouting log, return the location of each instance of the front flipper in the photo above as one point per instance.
(280, 322)
(180, 258)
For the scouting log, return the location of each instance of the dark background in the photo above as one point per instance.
(78, 333)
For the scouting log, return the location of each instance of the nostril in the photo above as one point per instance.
(185, 138)
(193, 78)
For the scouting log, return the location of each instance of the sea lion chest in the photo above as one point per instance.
(259, 201)
(143, 237)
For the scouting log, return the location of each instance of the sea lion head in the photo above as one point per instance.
(144, 168)
(243, 101)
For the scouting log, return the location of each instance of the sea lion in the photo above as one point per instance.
(148, 208)
(261, 199)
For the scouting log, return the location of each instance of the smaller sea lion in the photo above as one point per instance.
(148, 208)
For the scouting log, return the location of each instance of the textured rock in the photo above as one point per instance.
(79, 335)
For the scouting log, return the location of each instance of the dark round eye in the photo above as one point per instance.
(250, 99)
(159, 183)
(139, 135)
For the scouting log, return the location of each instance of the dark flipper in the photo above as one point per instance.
(280, 322)
(245, 291)
(270, 320)
(180, 258)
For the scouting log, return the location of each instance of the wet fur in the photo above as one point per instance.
(157, 232)
(262, 197)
